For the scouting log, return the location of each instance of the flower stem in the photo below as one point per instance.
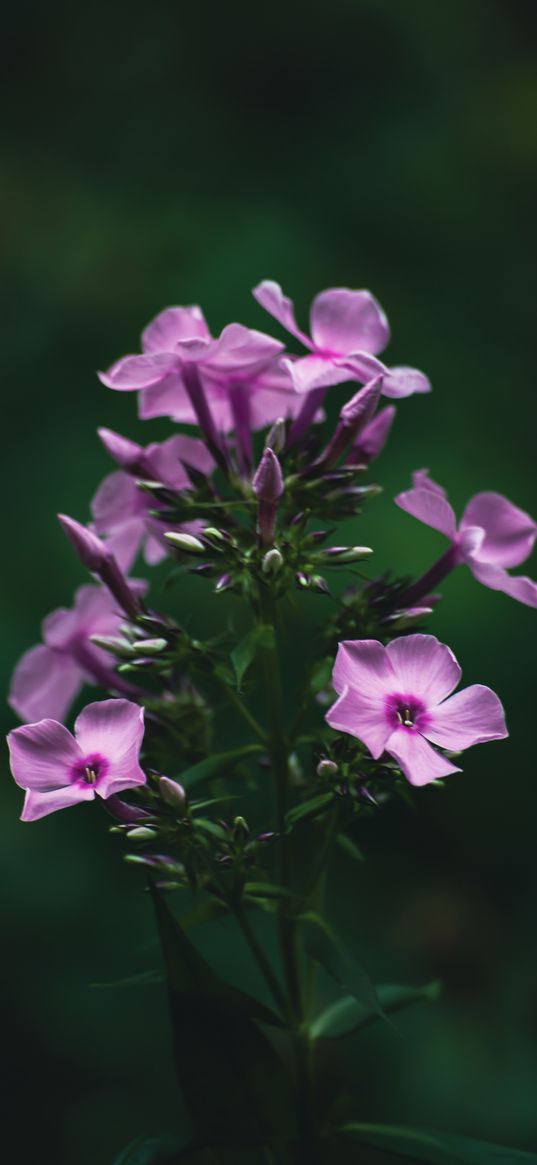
(428, 581)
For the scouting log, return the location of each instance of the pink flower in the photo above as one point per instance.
(395, 699)
(57, 769)
(49, 677)
(122, 511)
(348, 329)
(492, 535)
(372, 439)
(240, 372)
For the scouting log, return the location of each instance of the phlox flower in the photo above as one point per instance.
(49, 676)
(397, 699)
(57, 769)
(122, 511)
(491, 536)
(240, 371)
(348, 329)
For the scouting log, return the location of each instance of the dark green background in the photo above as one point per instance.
(178, 153)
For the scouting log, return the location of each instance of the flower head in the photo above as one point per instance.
(240, 371)
(348, 329)
(122, 511)
(57, 769)
(491, 536)
(398, 699)
(49, 676)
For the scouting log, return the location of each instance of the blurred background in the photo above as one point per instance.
(179, 153)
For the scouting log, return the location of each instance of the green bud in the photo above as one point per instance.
(142, 833)
(272, 561)
(185, 542)
(150, 646)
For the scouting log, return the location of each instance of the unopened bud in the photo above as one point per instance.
(303, 580)
(142, 833)
(216, 534)
(272, 561)
(327, 768)
(275, 438)
(151, 646)
(267, 482)
(112, 643)
(172, 793)
(335, 555)
(240, 825)
(318, 583)
(188, 543)
(223, 583)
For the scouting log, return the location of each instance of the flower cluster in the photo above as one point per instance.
(253, 515)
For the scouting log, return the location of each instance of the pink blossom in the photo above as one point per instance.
(397, 699)
(121, 510)
(57, 769)
(348, 329)
(491, 536)
(371, 440)
(49, 676)
(240, 372)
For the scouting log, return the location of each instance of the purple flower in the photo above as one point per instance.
(99, 558)
(348, 329)
(240, 372)
(57, 769)
(121, 510)
(492, 535)
(395, 699)
(49, 677)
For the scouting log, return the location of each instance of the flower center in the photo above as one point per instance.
(90, 770)
(403, 711)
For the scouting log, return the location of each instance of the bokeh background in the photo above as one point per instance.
(178, 153)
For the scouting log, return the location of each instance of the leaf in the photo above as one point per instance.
(309, 808)
(234, 1084)
(436, 1148)
(347, 1015)
(216, 766)
(266, 890)
(350, 847)
(323, 945)
(260, 638)
(163, 1150)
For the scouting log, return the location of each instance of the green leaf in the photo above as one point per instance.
(216, 766)
(327, 949)
(266, 890)
(347, 1015)
(144, 979)
(350, 847)
(260, 638)
(164, 1150)
(234, 1084)
(309, 808)
(435, 1148)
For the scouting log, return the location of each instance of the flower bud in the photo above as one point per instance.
(275, 438)
(119, 647)
(188, 543)
(142, 833)
(223, 583)
(240, 825)
(151, 646)
(267, 482)
(92, 551)
(327, 768)
(172, 793)
(216, 534)
(272, 561)
(335, 555)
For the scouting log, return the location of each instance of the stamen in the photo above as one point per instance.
(90, 775)
(407, 718)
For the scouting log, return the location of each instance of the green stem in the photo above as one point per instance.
(261, 959)
(245, 712)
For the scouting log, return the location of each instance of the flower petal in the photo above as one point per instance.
(311, 372)
(344, 321)
(125, 452)
(42, 755)
(430, 508)
(363, 718)
(519, 587)
(270, 296)
(419, 763)
(422, 480)
(37, 804)
(424, 667)
(372, 439)
(172, 325)
(44, 684)
(113, 727)
(240, 351)
(404, 381)
(362, 664)
(134, 372)
(472, 716)
(509, 532)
